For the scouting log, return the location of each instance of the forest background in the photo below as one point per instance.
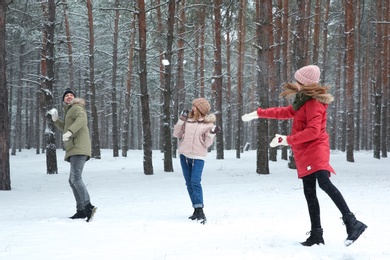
(138, 64)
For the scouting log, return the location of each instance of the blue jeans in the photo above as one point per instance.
(76, 181)
(192, 172)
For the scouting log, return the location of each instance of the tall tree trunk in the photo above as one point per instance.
(69, 44)
(127, 110)
(377, 81)
(325, 42)
(274, 102)
(342, 105)
(334, 135)
(114, 103)
(229, 119)
(181, 35)
(161, 78)
(316, 32)
(48, 79)
(139, 141)
(147, 136)
(366, 99)
(28, 118)
(387, 54)
(350, 73)
(218, 75)
(202, 18)
(358, 84)
(286, 71)
(253, 99)
(10, 107)
(300, 36)
(180, 92)
(92, 87)
(38, 109)
(262, 44)
(278, 27)
(167, 136)
(5, 178)
(307, 34)
(385, 78)
(278, 44)
(301, 47)
(240, 73)
(17, 133)
(196, 61)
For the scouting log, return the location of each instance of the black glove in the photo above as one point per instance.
(184, 115)
(215, 129)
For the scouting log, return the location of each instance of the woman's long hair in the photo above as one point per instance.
(290, 89)
(195, 115)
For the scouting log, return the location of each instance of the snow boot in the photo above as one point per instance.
(78, 214)
(90, 211)
(193, 216)
(200, 216)
(315, 237)
(354, 228)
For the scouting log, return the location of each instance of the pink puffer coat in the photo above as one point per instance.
(195, 137)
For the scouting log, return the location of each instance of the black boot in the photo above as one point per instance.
(354, 228)
(193, 216)
(90, 211)
(315, 237)
(200, 216)
(79, 214)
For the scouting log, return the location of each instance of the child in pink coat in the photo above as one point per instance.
(196, 131)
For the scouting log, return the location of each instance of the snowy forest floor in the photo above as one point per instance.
(250, 216)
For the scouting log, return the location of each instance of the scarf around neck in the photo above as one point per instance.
(300, 99)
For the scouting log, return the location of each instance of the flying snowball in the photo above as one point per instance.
(165, 62)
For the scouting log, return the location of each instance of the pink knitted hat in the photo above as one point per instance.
(308, 75)
(202, 105)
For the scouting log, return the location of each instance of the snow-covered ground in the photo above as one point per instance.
(250, 216)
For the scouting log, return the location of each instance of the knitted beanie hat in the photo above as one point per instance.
(67, 91)
(308, 75)
(202, 105)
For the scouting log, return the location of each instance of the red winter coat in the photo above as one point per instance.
(309, 140)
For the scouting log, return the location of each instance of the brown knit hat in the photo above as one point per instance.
(308, 75)
(202, 105)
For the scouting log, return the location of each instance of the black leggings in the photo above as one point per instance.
(309, 189)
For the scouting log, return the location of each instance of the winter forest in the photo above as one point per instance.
(139, 63)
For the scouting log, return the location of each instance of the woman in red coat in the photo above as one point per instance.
(309, 142)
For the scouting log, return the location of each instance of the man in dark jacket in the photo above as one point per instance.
(78, 149)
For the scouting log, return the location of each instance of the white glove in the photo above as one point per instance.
(54, 114)
(279, 140)
(215, 129)
(65, 137)
(250, 116)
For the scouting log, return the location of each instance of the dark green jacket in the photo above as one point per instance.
(75, 121)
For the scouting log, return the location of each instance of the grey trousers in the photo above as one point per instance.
(76, 181)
